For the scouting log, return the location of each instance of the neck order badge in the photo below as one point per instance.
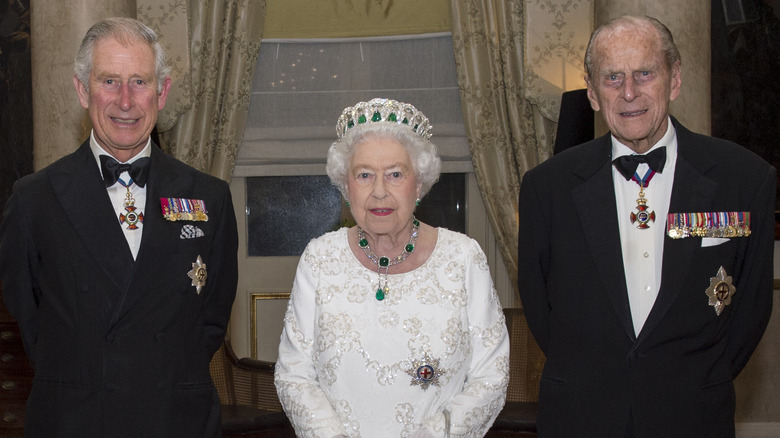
(642, 216)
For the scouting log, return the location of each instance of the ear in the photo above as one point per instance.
(592, 95)
(676, 81)
(81, 90)
(163, 95)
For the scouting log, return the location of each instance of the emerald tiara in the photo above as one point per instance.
(383, 110)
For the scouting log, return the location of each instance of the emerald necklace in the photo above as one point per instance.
(383, 263)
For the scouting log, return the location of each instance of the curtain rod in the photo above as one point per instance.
(356, 39)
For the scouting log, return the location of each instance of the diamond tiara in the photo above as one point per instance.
(383, 110)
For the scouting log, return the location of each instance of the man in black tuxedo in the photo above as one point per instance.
(647, 281)
(120, 262)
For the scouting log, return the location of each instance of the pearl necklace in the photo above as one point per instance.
(383, 263)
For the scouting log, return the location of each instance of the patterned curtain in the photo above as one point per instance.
(206, 113)
(488, 39)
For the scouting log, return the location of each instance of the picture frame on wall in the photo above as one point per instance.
(266, 319)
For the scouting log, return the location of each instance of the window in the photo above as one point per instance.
(285, 212)
(301, 87)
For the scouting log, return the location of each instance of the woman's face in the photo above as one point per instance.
(382, 187)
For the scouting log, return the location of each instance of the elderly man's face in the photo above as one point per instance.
(122, 100)
(632, 86)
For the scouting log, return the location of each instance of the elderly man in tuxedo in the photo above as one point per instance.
(119, 262)
(645, 257)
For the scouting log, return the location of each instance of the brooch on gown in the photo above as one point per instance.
(425, 372)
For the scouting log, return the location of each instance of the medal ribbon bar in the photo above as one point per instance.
(726, 224)
(178, 209)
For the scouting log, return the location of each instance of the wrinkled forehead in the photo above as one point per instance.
(633, 45)
(622, 32)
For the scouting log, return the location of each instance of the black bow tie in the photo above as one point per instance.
(627, 164)
(138, 170)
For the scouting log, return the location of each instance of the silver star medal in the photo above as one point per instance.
(721, 290)
(425, 372)
(198, 274)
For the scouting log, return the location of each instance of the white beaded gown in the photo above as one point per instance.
(350, 364)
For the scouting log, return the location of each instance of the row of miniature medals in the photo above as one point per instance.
(384, 263)
(681, 225)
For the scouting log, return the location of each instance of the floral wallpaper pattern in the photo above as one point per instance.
(557, 33)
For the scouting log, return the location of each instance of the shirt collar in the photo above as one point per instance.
(669, 140)
(97, 150)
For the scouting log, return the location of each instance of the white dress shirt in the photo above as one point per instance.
(643, 249)
(118, 192)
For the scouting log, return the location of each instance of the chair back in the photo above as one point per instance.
(245, 381)
(526, 359)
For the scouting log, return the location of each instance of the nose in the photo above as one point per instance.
(630, 89)
(380, 191)
(125, 97)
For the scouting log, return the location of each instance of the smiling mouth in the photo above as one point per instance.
(124, 121)
(381, 211)
(633, 113)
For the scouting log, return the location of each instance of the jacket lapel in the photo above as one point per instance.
(84, 199)
(595, 202)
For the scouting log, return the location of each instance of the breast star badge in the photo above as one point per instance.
(198, 274)
(721, 290)
(425, 372)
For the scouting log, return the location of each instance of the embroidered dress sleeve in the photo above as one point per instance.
(473, 411)
(300, 393)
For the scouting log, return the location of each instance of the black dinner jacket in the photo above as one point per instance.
(676, 377)
(121, 348)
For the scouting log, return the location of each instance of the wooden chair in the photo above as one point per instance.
(250, 406)
(526, 360)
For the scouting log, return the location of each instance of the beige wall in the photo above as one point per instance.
(758, 386)
(59, 122)
(342, 19)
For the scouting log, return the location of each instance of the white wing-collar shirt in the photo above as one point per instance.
(643, 249)
(118, 192)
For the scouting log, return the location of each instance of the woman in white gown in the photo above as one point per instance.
(394, 328)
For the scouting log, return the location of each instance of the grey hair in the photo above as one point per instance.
(669, 48)
(124, 30)
(422, 153)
